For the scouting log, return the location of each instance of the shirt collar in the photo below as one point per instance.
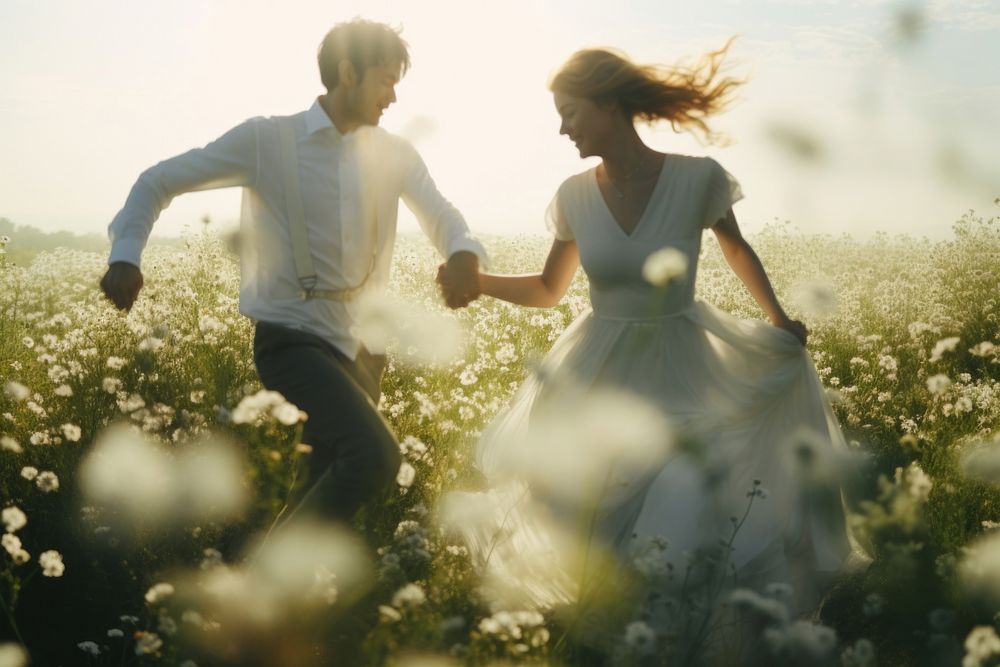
(317, 120)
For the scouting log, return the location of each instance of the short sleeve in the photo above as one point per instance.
(555, 217)
(722, 192)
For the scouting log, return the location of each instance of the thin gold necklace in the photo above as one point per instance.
(627, 178)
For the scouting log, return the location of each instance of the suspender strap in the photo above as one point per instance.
(297, 223)
(293, 207)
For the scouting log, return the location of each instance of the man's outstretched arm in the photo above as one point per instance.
(447, 230)
(230, 160)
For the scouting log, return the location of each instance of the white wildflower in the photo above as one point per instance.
(768, 608)
(29, 472)
(410, 595)
(938, 383)
(52, 563)
(9, 444)
(981, 644)
(983, 349)
(71, 432)
(159, 592)
(942, 346)
(210, 324)
(640, 637)
(47, 481)
(861, 654)
(11, 543)
(407, 473)
(388, 614)
(150, 344)
(288, 414)
(89, 647)
(147, 643)
(412, 447)
(918, 483)
(801, 641)
(14, 519)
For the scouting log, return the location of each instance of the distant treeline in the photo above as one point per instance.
(27, 241)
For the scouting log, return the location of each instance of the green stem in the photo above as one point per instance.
(716, 588)
(591, 512)
(13, 623)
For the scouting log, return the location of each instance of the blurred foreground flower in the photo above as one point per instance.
(814, 298)
(148, 483)
(303, 579)
(581, 443)
(13, 655)
(266, 402)
(16, 391)
(982, 460)
(664, 265)
(422, 335)
(979, 569)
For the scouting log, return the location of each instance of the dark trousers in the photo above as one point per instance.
(355, 454)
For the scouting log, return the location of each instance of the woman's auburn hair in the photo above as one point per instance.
(683, 96)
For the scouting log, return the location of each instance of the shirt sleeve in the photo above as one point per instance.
(722, 192)
(230, 160)
(438, 218)
(555, 217)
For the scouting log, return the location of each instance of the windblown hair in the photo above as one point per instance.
(364, 43)
(683, 96)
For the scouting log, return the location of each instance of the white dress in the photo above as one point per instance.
(742, 387)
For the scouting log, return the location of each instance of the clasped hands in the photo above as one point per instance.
(458, 279)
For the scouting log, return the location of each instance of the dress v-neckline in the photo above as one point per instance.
(645, 211)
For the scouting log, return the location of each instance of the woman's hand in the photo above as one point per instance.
(795, 327)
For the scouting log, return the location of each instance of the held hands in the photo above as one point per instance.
(122, 283)
(795, 327)
(459, 279)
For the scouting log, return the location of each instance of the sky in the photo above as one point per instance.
(858, 116)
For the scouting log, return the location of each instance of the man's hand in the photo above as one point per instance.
(459, 279)
(122, 283)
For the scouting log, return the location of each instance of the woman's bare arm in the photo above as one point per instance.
(748, 268)
(540, 290)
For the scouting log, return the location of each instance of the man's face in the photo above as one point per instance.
(375, 92)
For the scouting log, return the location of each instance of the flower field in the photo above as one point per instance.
(140, 460)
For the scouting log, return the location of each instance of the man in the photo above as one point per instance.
(320, 199)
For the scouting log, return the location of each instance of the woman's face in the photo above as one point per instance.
(590, 126)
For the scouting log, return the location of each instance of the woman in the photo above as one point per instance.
(746, 390)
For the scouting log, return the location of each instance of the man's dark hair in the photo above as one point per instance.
(364, 43)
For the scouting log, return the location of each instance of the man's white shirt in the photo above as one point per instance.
(350, 189)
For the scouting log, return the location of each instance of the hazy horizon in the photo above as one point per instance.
(856, 119)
